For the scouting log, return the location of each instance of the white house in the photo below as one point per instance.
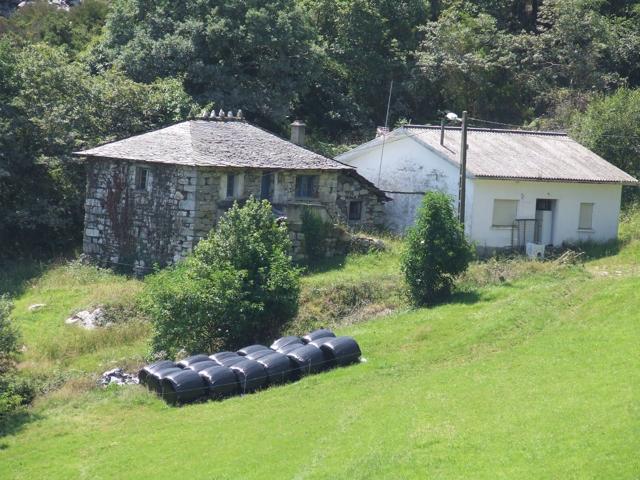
(521, 186)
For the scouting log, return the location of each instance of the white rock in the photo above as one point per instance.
(36, 306)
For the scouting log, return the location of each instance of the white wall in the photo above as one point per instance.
(408, 166)
(568, 196)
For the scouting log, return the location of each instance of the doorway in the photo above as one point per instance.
(545, 209)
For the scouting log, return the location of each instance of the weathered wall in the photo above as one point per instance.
(135, 228)
(180, 205)
(406, 170)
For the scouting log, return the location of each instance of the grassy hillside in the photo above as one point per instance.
(532, 376)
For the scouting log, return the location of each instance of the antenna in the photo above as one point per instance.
(384, 136)
(386, 119)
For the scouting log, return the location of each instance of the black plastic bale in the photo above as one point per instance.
(316, 334)
(196, 367)
(184, 363)
(252, 349)
(329, 359)
(149, 369)
(278, 366)
(229, 361)
(154, 380)
(307, 359)
(220, 381)
(251, 375)
(290, 348)
(218, 357)
(259, 354)
(343, 350)
(182, 387)
(284, 341)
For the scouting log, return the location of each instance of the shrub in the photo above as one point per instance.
(436, 251)
(315, 232)
(8, 337)
(238, 286)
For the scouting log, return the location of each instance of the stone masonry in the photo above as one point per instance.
(137, 228)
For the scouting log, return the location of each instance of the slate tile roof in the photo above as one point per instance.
(231, 144)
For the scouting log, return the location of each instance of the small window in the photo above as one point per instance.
(307, 186)
(504, 212)
(142, 176)
(231, 184)
(355, 210)
(586, 216)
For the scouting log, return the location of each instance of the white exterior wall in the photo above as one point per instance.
(568, 196)
(407, 166)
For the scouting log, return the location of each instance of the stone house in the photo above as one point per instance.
(150, 198)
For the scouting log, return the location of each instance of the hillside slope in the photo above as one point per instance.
(534, 378)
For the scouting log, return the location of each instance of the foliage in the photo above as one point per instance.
(254, 55)
(8, 337)
(610, 126)
(40, 21)
(10, 394)
(436, 252)
(52, 106)
(239, 286)
(315, 231)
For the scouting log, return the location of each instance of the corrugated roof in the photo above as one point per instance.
(232, 144)
(521, 155)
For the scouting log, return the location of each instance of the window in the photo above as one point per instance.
(586, 216)
(307, 186)
(142, 176)
(265, 185)
(231, 184)
(355, 210)
(504, 212)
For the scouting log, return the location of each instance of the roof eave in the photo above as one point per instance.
(634, 183)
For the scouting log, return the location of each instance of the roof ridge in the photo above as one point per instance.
(492, 130)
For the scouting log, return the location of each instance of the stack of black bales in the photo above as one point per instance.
(249, 369)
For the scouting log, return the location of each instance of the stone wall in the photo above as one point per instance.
(137, 228)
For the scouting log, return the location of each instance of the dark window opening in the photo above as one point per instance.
(355, 210)
(307, 186)
(544, 204)
(231, 181)
(142, 175)
(265, 186)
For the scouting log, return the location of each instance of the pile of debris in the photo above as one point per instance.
(89, 319)
(117, 376)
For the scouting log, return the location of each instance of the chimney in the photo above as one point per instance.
(297, 132)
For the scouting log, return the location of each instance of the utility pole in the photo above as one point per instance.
(463, 168)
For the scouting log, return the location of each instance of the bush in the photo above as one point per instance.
(315, 232)
(8, 337)
(436, 252)
(239, 286)
(10, 389)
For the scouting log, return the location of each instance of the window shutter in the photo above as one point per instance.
(586, 216)
(504, 212)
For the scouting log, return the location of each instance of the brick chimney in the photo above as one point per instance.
(297, 132)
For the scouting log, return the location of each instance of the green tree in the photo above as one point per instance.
(436, 251)
(52, 105)
(472, 63)
(610, 126)
(258, 56)
(238, 286)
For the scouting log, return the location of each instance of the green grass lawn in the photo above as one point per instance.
(537, 377)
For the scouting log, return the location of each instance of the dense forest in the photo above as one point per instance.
(71, 78)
